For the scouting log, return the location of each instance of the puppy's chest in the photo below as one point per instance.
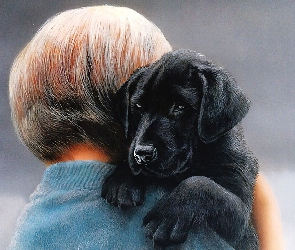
(208, 164)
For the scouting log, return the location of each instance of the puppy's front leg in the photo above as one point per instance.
(197, 202)
(122, 189)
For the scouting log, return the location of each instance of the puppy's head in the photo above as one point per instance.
(169, 107)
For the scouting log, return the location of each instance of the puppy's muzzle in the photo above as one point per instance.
(145, 154)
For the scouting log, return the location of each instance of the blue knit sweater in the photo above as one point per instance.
(67, 212)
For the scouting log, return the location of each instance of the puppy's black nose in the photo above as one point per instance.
(144, 154)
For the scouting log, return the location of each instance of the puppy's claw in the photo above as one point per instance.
(167, 223)
(122, 192)
(164, 235)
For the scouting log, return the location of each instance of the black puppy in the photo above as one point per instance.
(181, 116)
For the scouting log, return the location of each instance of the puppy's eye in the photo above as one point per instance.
(137, 108)
(178, 108)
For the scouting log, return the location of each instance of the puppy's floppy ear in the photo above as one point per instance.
(122, 110)
(123, 95)
(223, 103)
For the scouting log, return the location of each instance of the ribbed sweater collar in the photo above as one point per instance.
(76, 175)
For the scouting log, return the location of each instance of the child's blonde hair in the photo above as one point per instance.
(62, 83)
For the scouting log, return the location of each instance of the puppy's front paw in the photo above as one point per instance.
(123, 191)
(169, 222)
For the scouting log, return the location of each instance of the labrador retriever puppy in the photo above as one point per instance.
(182, 118)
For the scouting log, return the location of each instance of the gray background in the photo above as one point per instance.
(254, 40)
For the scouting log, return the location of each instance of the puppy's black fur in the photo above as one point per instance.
(182, 117)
